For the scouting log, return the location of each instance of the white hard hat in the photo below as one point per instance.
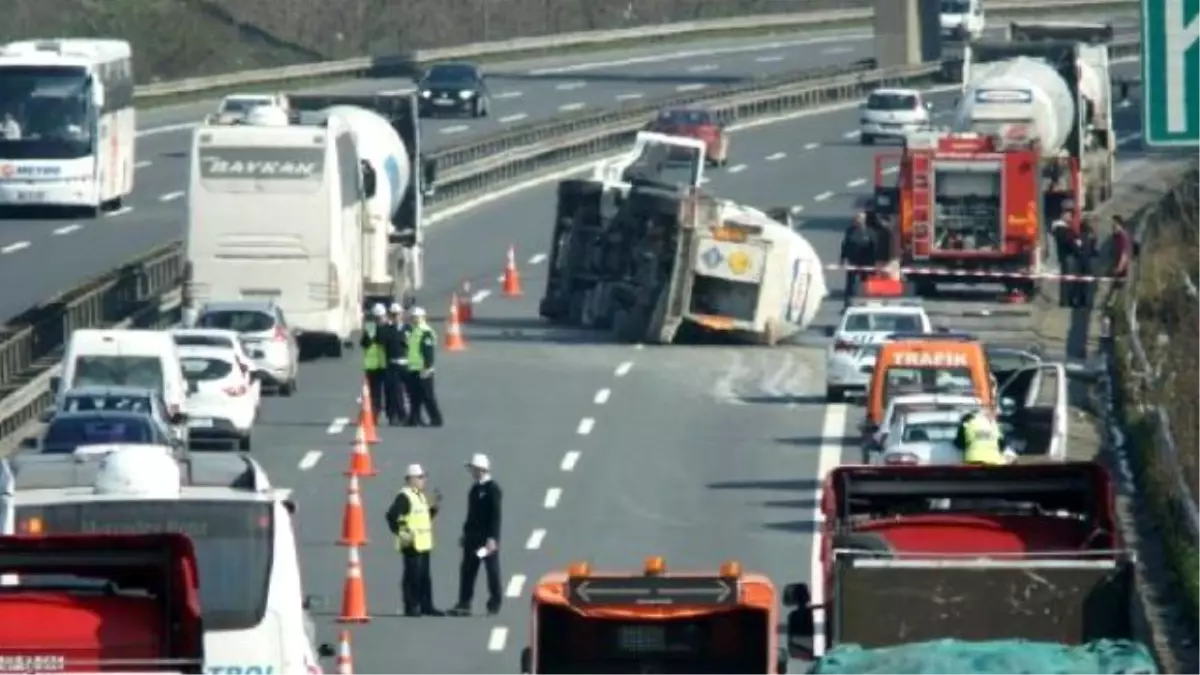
(378, 310)
(414, 471)
(418, 312)
(480, 461)
(396, 308)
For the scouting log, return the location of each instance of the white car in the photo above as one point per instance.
(219, 338)
(900, 406)
(894, 114)
(866, 324)
(222, 399)
(235, 108)
(921, 438)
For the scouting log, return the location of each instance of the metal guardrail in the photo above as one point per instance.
(356, 67)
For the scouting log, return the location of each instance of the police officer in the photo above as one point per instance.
(480, 538)
(980, 440)
(858, 250)
(1064, 244)
(374, 348)
(1085, 255)
(410, 518)
(396, 351)
(422, 341)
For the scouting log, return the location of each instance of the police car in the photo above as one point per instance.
(866, 324)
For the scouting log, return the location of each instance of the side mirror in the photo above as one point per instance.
(326, 651)
(290, 506)
(46, 416)
(55, 384)
(312, 602)
(368, 179)
(829, 331)
(526, 660)
(178, 418)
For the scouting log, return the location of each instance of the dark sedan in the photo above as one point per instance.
(69, 431)
(454, 89)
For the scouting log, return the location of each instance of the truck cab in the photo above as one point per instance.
(653, 621)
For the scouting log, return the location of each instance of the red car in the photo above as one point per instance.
(697, 123)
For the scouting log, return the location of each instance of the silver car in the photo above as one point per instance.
(264, 332)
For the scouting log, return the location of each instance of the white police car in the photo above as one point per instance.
(866, 324)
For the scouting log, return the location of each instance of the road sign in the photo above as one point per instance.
(1171, 72)
(651, 590)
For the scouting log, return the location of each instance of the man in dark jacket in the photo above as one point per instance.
(1064, 251)
(1085, 256)
(480, 538)
(396, 351)
(858, 250)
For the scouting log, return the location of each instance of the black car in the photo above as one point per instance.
(453, 89)
(70, 430)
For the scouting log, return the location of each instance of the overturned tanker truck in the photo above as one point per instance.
(640, 251)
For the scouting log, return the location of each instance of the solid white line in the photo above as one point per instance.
(829, 456)
(856, 182)
(569, 460)
(338, 425)
(703, 68)
(142, 164)
(776, 157)
(852, 134)
(310, 459)
(738, 168)
(509, 119)
(811, 146)
(629, 97)
(571, 86)
(497, 639)
(535, 539)
(68, 229)
(568, 107)
(695, 86)
(515, 585)
(508, 94)
(585, 426)
(623, 369)
(480, 295)
(774, 58)
(552, 497)
(537, 259)
(456, 129)
(602, 396)
(823, 196)
(171, 196)
(396, 92)
(13, 248)
(119, 212)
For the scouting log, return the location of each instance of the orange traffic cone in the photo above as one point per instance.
(366, 415)
(354, 529)
(454, 337)
(345, 661)
(512, 278)
(1015, 297)
(466, 303)
(354, 592)
(360, 456)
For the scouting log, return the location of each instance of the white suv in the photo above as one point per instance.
(892, 113)
(866, 323)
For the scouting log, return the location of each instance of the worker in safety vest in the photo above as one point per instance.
(374, 346)
(980, 439)
(410, 518)
(422, 343)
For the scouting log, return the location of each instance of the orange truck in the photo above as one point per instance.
(968, 208)
(654, 621)
(111, 603)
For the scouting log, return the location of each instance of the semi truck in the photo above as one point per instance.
(638, 249)
(100, 603)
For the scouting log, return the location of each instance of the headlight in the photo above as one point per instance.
(426, 93)
(465, 94)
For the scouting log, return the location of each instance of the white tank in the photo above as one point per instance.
(139, 471)
(267, 116)
(1019, 90)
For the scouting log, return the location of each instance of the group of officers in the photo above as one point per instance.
(398, 357)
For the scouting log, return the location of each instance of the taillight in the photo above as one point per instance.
(844, 346)
(239, 390)
(280, 334)
(901, 459)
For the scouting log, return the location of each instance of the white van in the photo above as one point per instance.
(100, 357)
(252, 602)
(962, 20)
(277, 213)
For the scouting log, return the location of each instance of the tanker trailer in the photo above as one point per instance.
(639, 250)
(387, 138)
(1051, 84)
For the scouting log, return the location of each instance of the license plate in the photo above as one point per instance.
(200, 422)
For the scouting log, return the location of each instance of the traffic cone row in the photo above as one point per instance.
(345, 661)
(466, 303)
(354, 592)
(354, 530)
(360, 456)
(511, 285)
(366, 415)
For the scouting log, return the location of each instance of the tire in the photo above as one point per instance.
(834, 395)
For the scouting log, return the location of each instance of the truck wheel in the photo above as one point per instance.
(863, 542)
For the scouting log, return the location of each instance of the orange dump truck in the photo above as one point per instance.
(653, 621)
(86, 604)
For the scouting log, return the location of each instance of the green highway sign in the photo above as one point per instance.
(1171, 72)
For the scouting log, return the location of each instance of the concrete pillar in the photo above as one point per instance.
(897, 33)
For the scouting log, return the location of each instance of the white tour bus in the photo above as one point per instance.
(67, 127)
(276, 212)
(255, 618)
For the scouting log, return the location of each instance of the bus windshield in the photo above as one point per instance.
(46, 112)
(233, 542)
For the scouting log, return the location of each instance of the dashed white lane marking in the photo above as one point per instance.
(623, 369)
(119, 212)
(569, 460)
(509, 119)
(508, 94)
(639, 347)
(837, 50)
(68, 229)
(856, 182)
(585, 426)
(571, 86)
(480, 295)
(497, 639)
(772, 58)
(310, 459)
(171, 196)
(811, 146)
(537, 258)
(694, 86)
(737, 168)
(142, 164)
(515, 585)
(14, 247)
(852, 134)
(602, 396)
(338, 425)
(703, 68)
(629, 97)
(455, 129)
(535, 539)
(552, 497)
(823, 196)
(776, 156)
(568, 107)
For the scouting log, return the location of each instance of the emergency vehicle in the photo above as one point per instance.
(943, 363)
(864, 326)
(654, 621)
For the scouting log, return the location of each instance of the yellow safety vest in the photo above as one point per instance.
(374, 358)
(983, 442)
(419, 522)
(416, 359)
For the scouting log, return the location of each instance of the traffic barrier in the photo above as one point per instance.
(466, 303)
(511, 288)
(354, 527)
(510, 49)
(354, 592)
(454, 341)
(366, 414)
(361, 464)
(935, 271)
(345, 659)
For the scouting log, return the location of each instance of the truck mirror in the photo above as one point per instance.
(368, 178)
(526, 660)
(290, 505)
